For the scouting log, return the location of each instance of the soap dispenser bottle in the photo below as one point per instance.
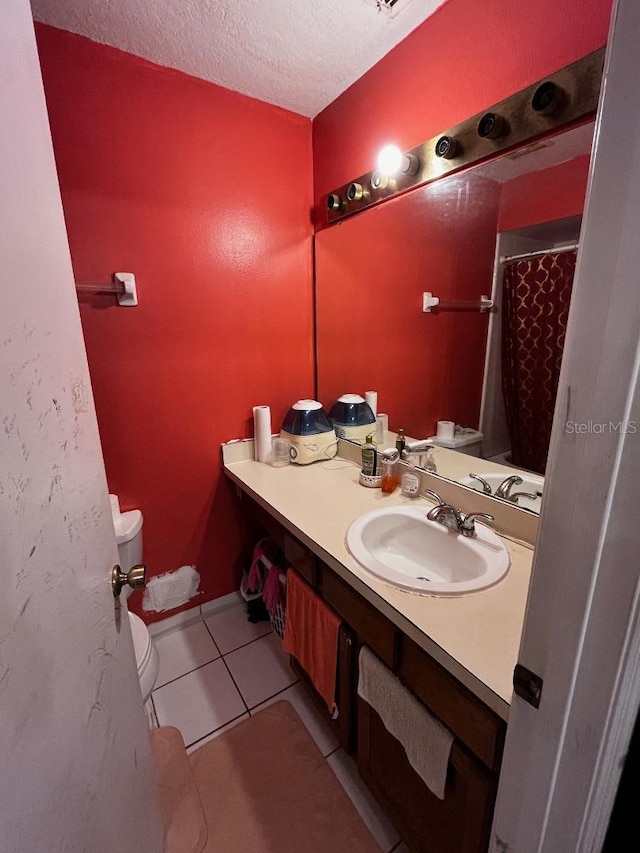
(410, 482)
(369, 458)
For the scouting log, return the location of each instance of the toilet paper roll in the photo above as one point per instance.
(446, 429)
(371, 397)
(262, 433)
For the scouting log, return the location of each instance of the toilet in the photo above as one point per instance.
(147, 657)
(128, 529)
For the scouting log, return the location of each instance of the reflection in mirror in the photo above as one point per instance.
(461, 237)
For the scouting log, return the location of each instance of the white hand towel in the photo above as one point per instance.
(425, 739)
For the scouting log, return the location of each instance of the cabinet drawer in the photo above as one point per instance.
(372, 628)
(302, 560)
(464, 714)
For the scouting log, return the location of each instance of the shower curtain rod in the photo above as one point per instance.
(504, 259)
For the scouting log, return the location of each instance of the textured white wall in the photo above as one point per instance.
(298, 54)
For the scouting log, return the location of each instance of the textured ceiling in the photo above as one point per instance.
(298, 54)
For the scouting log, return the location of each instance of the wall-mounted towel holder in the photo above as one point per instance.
(123, 286)
(430, 301)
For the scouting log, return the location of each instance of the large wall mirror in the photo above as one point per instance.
(461, 237)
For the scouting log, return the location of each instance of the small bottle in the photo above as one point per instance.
(400, 442)
(369, 458)
(389, 479)
(410, 483)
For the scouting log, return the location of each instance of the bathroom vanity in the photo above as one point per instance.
(456, 654)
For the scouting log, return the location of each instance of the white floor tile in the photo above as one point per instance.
(183, 650)
(222, 603)
(231, 628)
(260, 669)
(216, 734)
(173, 623)
(200, 702)
(317, 726)
(347, 772)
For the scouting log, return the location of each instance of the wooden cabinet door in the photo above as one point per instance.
(344, 723)
(460, 823)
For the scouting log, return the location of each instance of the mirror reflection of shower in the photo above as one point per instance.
(533, 282)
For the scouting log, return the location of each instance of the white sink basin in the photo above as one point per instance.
(399, 545)
(531, 483)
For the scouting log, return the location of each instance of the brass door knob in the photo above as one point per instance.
(135, 577)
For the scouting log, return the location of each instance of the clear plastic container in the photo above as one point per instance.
(389, 477)
(281, 452)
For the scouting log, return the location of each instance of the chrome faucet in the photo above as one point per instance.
(504, 489)
(452, 518)
(447, 515)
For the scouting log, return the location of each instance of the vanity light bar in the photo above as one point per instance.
(565, 98)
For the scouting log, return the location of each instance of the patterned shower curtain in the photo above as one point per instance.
(536, 296)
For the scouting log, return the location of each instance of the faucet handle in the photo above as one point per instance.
(514, 497)
(468, 527)
(486, 488)
(436, 497)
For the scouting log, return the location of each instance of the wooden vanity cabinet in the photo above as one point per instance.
(460, 823)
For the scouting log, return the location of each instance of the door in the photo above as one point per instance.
(75, 770)
(563, 760)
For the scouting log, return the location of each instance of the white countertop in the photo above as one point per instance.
(476, 636)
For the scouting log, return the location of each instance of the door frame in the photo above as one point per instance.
(563, 761)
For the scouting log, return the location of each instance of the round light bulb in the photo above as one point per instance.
(390, 160)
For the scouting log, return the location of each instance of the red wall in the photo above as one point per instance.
(465, 57)
(545, 195)
(189, 186)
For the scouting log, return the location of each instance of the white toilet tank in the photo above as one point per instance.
(128, 528)
(466, 440)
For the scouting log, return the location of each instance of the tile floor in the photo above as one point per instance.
(220, 669)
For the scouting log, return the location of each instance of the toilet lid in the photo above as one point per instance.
(141, 641)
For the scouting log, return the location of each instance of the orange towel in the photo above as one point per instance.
(311, 636)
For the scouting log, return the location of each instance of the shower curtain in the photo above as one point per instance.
(536, 296)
